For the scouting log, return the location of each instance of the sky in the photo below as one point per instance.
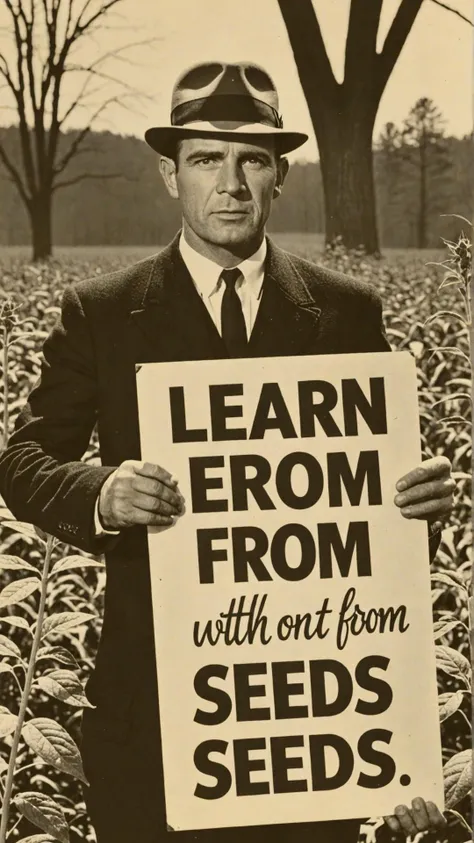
(436, 62)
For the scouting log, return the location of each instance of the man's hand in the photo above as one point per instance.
(139, 493)
(427, 491)
(422, 816)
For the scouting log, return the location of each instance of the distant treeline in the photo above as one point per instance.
(131, 206)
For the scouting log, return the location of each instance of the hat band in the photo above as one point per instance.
(229, 107)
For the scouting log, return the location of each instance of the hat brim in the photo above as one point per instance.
(163, 138)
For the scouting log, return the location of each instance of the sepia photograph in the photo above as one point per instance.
(235, 421)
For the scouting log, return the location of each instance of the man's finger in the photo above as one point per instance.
(151, 504)
(393, 824)
(427, 470)
(420, 814)
(427, 509)
(436, 818)
(151, 519)
(157, 489)
(156, 472)
(405, 819)
(426, 491)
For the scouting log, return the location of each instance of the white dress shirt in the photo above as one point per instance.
(206, 278)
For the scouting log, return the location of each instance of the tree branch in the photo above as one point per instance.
(5, 72)
(28, 41)
(38, 111)
(23, 125)
(117, 53)
(79, 100)
(395, 40)
(454, 11)
(48, 69)
(80, 137)
(361, 44)
(107, 78)
(312, 61)
(80, 28)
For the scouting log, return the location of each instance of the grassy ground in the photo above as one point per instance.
(306, 245)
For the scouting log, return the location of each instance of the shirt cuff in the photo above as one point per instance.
(100, 530)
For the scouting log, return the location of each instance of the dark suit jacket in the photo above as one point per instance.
(148, 312)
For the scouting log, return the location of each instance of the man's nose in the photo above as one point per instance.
(231, 178)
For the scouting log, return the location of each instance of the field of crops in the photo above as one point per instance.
(52, 598)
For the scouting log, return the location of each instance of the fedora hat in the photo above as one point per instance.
(217, 98)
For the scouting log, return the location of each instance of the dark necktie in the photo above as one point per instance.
(234, 332)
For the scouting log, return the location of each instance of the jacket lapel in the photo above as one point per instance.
(169, 320)
(288, 314)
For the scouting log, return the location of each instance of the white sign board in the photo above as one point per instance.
(292, 607)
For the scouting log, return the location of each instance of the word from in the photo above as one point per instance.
(291, 553)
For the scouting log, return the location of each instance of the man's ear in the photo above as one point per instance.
(283, 167)
(168, 173)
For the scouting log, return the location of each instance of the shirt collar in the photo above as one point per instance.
(205, 273)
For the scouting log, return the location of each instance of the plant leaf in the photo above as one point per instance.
(43, 812)
(441, 628)
(64, 622)
(57, 654)
(6, 668)
(54, 745)
(69, 563)
(8, 722)
(8, 647)
(65, 686)
(440, 313)
(23, 528)
(447, 579)
(14, 563)
(15, 620)
(39, 838)
(448, 704)
(457, 777)
(452, 662)
(17, 591)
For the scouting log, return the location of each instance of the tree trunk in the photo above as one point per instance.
(343, 114)
(345, 148)
(41, 226)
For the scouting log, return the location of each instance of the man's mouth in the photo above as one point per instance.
(231, 213)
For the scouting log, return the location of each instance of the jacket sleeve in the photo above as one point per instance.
(42, 479)
(367, 332)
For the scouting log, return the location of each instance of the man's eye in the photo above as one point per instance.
(206, 162)
(254, 162)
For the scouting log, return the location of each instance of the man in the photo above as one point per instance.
(221, 289)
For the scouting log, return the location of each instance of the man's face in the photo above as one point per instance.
(226, 189)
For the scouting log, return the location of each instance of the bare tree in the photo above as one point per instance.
(43, 51)
(343, 114)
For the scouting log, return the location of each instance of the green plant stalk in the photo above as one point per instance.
(6, 409)
(26, 691)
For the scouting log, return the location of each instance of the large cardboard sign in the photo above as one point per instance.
(292, 605)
